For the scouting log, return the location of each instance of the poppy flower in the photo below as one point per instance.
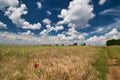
(36, 65)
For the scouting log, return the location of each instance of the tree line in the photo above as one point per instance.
(113, 42)
(74, 44)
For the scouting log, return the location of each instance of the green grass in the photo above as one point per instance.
(101, 64)
(114, 52)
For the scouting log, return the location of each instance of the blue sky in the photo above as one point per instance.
(33, 22)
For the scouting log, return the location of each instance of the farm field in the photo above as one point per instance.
(55, 62)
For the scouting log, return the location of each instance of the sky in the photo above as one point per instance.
(37, 22)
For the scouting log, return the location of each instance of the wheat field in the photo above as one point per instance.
(55, 63)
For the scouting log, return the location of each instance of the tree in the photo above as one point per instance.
(74, 44)
(113, 42)
(84, 44)
(62, 44)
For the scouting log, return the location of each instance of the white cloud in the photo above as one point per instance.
(101, 2)
(27, 33)
(15, 13)
(58, 28)
(106, 28)
(101, 40)
(46, 21)
(115, 25)
(45, 32)
(71, 36)
(75, 35)
(48, 12)
(32, 39)
(3, 26)
(98, 30)
(27, 25)
(49, 27)
(39, 5)
(8, 3)
(67, 37)
(113, 32)
(113, 11)
(20, 39)
(63, 13)
(79, 12)
(96, 40)
(72, 31)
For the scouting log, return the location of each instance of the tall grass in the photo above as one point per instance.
(56, 63)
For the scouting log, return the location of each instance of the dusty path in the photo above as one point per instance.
(114, 71)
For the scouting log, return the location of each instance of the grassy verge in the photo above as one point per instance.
(114, 52)
(101, 64)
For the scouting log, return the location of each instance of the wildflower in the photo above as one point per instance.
(36, 65)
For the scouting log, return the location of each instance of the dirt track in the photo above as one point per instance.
(114, 71)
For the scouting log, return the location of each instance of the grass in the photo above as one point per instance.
(56, 63)
(114, 52)
(101, 64)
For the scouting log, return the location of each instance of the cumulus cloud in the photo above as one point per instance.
(46, 21)
(68, 37)
(78, 14)
(57, 28)
(95, 40)
(30, 38)
(101, 40)
(49, 27)
(73, 34)
(3, 26)
(19, 39)
(48, 12)
(15, 13)
(27, 33)
(39, 5)
(112, 34)
(101, 2)
(8, 3)
(27, 25)
(45, 32)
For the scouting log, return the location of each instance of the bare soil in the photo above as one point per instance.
(112, 61)
(114, 71)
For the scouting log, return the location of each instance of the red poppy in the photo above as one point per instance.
(36, 65)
